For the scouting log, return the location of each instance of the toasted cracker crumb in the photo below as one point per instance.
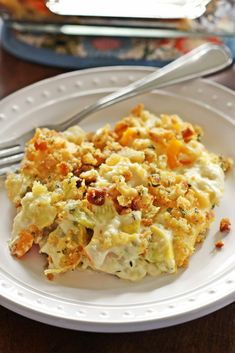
(225, 225)
(219, 244)
(50, 276)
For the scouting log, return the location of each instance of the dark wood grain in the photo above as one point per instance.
(214, 333)
(16, 73)
(211, 334)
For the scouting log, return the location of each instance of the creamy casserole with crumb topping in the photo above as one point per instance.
(129, 201)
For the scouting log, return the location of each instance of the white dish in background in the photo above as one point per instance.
(98, 302)
(162, 9)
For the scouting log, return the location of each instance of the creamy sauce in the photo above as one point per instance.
(208, 177)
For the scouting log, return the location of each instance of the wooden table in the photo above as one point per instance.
(214, 333)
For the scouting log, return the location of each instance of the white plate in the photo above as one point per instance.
(98, 302)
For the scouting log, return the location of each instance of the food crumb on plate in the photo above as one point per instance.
(219, 244)
(225, 225)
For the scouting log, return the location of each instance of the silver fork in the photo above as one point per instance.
(204, 60)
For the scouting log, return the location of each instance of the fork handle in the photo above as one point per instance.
(204, 60)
